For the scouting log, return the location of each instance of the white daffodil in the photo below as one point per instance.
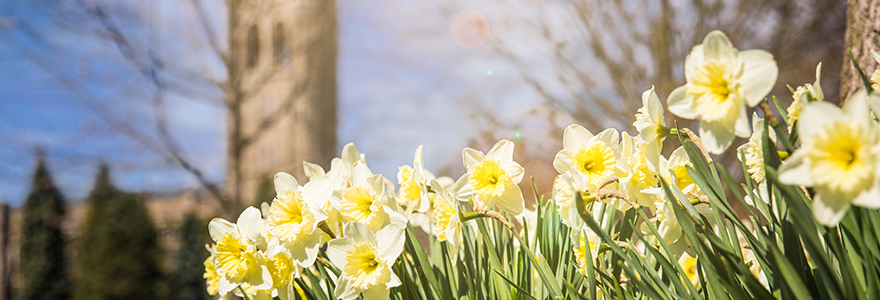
(875, 77)
(237, 258)
(754, 150)
(839, 158)
(593, 156)
(804, 94)
(650, 121)
(413, 184)
(721, 81)
(365, 259)
(641, 163)
(365, 201)
(447, 225)
(564, 198)
(492, 179)
(340, 175)
(676, 173)
(295, 213)
(689, 265)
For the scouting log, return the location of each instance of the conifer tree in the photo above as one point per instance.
(43, 269)
(118, 255)
(188, 283)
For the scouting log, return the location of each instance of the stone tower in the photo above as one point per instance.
(282, 79)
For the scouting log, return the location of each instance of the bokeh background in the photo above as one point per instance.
(192, 105)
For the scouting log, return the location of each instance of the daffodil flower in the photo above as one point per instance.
(212, 279)
(365, 259)
(413, 184)
(237, 258)
(721, 81)
(563, 195)
(650, 121)
(365, 201)
(754, 150)
(295, 213)
(838, 158)
(593, 156)
(447, 225)
(587, 241)
(676, 173)
(492, 178)
(803, 94)
(641, 164)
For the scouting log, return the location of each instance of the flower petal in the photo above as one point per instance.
(511, 200)
(350, 154)
(318, 191)
(814, 116)
(716, 136)
(716, 46)
(250, 223)
(759, 75)
(795, 170)
(312, 170)
(218, 227)
(680, 103)
(515, 171)
(337, 249)
(742, 128)
(651, 101)
(376, 292)
(471, 158)
(502, 151)
(359, 173)
(829, 209)
(284, 182)
(869, 199)
(575, 136)
(390, 241)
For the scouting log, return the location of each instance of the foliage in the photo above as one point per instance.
(118, 256)
(623, 221)
(43, 264)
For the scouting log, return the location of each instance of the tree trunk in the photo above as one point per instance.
(862, 36)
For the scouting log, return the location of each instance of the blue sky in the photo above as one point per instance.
(402, 82)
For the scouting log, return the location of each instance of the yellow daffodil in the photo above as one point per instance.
(365, 201)
(640, 161)
(447, 225)
(365, 259)
(689, 265)
(492, 178)
(212, 279)
(593, 156)
(839, 158)
(237, 257)
(413, 184)
(295, 213)
(676, 173)
(803, 94)
(588, 241)
(721, 81)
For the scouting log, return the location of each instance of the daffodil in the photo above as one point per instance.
(587, 241)
(365, 201)
(839, 158)
(492, 178)
(689, 265)
(447, 225)
(650, 121)
(295, 213)
(641, 164)
(676, 173)
(237, 258)
(754, 150)
(721, 81)
(564, 197)
(212, 279)
(365, 260)
(803, 94)
(340, 175)
(593, 156)
(413, 184)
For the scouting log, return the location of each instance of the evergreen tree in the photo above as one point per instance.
(118, 255)
(188, 283)
(43, 270)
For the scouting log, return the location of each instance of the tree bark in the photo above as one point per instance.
(862, 36)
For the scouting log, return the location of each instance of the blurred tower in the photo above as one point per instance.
(282, 70)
